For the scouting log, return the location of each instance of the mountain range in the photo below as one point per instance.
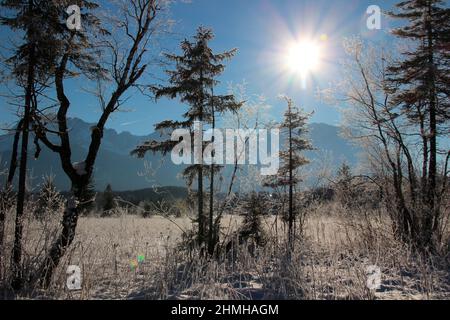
(117, 167)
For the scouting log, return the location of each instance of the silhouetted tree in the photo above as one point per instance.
(137, 23)
(33, 65)
(25, 69)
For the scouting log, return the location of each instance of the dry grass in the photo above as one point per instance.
(329, 262)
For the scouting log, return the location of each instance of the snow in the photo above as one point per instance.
(80, 168)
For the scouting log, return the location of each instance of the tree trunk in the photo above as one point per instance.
(211, 229)
(430, 212)
(8, 188)
(201, 222)
(291, 187)
(13, 161)
(4, 205)
(2, 232)
(424, 137)
(17, 282)
(64, 240)
(131, 69)
(211, 237)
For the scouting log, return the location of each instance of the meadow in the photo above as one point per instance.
(129, 257)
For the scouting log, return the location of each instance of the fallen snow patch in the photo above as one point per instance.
(80, 168)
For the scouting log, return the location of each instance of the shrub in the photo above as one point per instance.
(49, 199)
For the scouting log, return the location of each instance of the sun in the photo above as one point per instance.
(303, 57)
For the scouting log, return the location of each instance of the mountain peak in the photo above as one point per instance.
(115, 166)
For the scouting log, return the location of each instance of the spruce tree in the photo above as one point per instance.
(193, 81)
(25, 65)
(291, 159)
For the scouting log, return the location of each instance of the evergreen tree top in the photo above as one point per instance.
(192, 81)
(43, 24)
(195, 70)
(422, 76)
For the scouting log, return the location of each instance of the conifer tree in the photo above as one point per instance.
(420, 85)
(291, 158)
(193, 81)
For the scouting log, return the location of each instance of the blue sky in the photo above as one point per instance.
(262, 31)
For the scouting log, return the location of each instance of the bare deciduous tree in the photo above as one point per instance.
(137, 22)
